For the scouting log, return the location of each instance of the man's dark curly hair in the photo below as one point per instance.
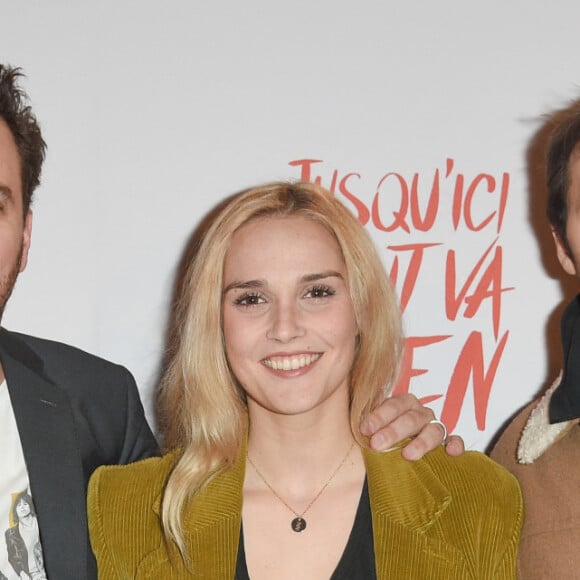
(17, 114)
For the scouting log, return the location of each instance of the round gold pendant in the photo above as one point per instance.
(298, 524)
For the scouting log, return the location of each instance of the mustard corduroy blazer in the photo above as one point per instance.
(438, 518)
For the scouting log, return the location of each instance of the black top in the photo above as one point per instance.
(358, 559)
(565, 401)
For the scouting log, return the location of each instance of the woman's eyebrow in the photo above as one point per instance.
(321, 276)
(245, 285)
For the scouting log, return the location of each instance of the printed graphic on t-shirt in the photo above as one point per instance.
(20, 546)
(23, 540)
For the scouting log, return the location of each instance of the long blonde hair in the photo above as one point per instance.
(202, 408)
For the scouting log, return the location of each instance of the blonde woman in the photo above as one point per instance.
(289, 335)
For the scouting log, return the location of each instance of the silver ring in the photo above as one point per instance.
(442, 425)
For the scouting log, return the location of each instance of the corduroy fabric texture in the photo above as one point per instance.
(438, 518)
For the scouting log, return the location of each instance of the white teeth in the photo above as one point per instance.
(291, 363)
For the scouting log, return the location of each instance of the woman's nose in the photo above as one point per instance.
(286, 323)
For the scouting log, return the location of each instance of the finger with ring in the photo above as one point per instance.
(442, 425)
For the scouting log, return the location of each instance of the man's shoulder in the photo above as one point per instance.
(59, 362)
(44, 346)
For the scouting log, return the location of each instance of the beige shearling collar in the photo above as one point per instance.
(539, 434)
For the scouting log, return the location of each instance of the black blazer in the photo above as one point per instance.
(74, 412)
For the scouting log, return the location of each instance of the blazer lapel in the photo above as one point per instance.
(212, 521)
(407, 499)
(52, 454)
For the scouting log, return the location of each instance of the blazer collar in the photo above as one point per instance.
(539, 433)
(212, 521)
(12, 348)
(407, 499)
(35, 397)
(408, 493)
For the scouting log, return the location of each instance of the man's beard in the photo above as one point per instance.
(7, 283)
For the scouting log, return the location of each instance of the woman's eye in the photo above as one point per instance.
(249, 300)
(319, 292)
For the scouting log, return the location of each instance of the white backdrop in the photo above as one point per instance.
(153, 112)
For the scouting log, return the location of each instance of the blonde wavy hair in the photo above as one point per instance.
(202, 407)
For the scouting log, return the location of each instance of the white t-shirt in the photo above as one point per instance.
(20, 548)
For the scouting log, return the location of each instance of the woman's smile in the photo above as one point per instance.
(292, 362)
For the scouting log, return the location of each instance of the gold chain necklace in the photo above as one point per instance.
(298, 524)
